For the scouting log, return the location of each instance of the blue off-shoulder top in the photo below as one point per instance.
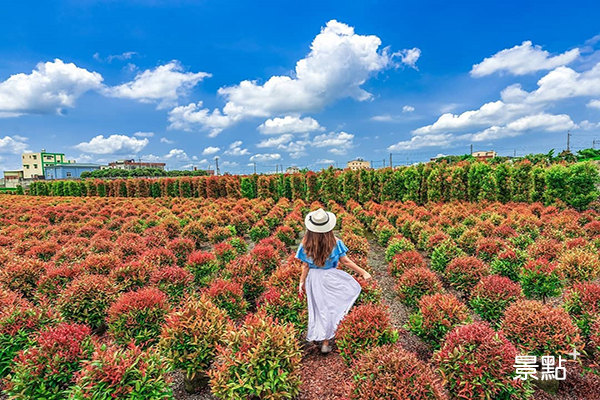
(338, 251)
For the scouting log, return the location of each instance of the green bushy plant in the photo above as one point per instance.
(443, 254)
(492, 295)
(416, 283)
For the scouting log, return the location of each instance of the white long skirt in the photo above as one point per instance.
(330, 294)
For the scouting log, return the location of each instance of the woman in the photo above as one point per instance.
(330, 291)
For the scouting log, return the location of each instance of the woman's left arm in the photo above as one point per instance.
(345, 260)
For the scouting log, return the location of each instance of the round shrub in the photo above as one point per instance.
(389, 371)
(487, 248)
(202, 265)
(56, 279)
(228, 296)
(370, 291)
(219, 234)
(365, 327)
(100, 264)
(463, 273)
(246, 271)
(129, 374)
(405, 261)
(266, 256)
(181, 248)
(45, 371)
(137, 316)
(286, 306)
(541, 279)
(438, 314)
(595, 336)
(86, 300)
(443, 254)
(274, 354)
(286, 234)
(190, 336)
(477, 362)
(492, 295)
(131, 276)
(225, 253)
(508, 263)
(22, 276)
(416, 283)
(259, 231)
(174, 281)
(582, 302)
(538, 329)
(397, 246)
(580, 265)
(239, 244)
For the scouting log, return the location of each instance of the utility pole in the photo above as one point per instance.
(594, 144)
(384, 163)
(568, 140)
(391, 164)
(255, 168)
(515, 154)
(276, 168)
(471, 149)
(217, 165)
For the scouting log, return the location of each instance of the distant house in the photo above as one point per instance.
(132, 164)
(35, 164)
(12, 179)
(484, 155)
(357, 164)
(292, 170)
(69, 171)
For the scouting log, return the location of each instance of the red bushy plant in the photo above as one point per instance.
(266, 256)
(117, 373)
(508, 263)
(273, 351)
(492, 295)
(55, 279)
(228, 296)
(46, 369)
(438, 314)
(579, 264)
(582, 302)
(390, 372)
(541, 279)
(202, 265)
(416, 283)
(477, 362)
(22, 276)
(463, 273)
(538, 329)
(174, 281)
(246, 271)
(404, 261)
(364, 327)
(181, 248)
(225, 253)
(131, 275)
(86, 300)
(137, 316)
(100, 264)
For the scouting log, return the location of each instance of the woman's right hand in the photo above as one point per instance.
(301, 289)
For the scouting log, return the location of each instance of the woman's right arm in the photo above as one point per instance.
(303, 278)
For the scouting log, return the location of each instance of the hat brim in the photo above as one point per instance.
(321, 228)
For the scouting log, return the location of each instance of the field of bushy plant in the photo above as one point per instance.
(106, 296)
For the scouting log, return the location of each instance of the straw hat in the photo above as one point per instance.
(320, 221)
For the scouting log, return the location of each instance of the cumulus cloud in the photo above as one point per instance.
(422, 141)
(275, 141)
(210, 150)
(382, 118)
(235, 149)
(539, 122)
(121, 57)
(114, 144)
(594, 104)
(324, 162)
(177, 154)
(587, 125)
(13, 145)
(408, 109)
(338, 64)
(340, 142)
(49, 88)
(163, 85)
(289, 124)
(523, 59)
(144, 134)
(409, 57)
(265, 157)
(165, 140)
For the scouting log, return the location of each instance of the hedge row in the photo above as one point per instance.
(574, 184)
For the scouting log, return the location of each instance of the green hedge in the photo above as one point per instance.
(573, 184)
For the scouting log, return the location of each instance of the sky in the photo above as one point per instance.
(308, 84)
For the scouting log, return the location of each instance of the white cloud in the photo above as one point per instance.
(275, 141)
(177, 154)
(235, 149)
(164, 84)
(265, 157)
(421, 141)
(523, 59)
(338, 64)
(539, 122)
(587, 125)
(13, 145)
(382, 118)
(408, 109)
(121, 57)
(324, 162)
(409, 57)
(594, 104)
(114, 144)
(165, 140)
(333, 139)
(210, 150)
(49, 88)
(186, 118)
(144, 134)
(289, 124)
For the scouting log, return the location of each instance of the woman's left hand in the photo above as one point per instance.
(366, 276)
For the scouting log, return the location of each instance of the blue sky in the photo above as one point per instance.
(306, 84)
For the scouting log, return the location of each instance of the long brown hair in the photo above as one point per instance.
(319, 246)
